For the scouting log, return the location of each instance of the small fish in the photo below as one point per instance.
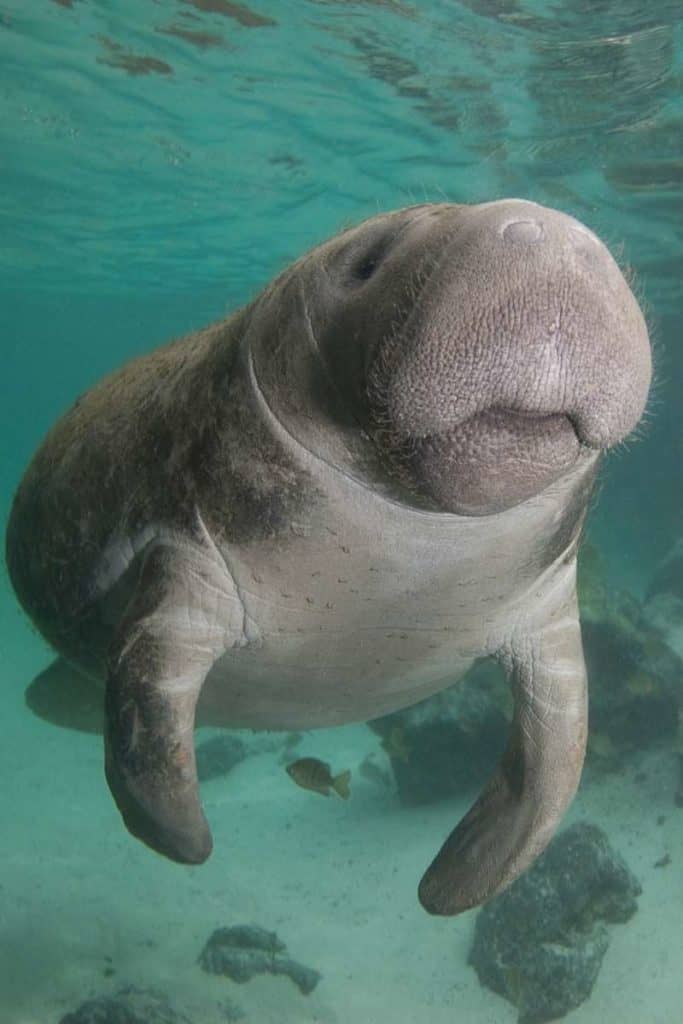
(311, 773)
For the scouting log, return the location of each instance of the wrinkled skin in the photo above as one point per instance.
(326, 507)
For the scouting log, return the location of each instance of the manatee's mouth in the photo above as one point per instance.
(496, 459)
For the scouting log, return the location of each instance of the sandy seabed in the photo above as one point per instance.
(87, 910)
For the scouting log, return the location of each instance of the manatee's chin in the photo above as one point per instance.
(496, 460)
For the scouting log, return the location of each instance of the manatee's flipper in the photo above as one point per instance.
(516, 815)
(176, 625)
(63, 696)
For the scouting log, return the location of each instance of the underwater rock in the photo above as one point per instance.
(129, 1006)
(540, 944)
(668, 576)
(664, 613)
(374, 772)
(634, 679)
(243, 951)
(218, 756)
(232, 1011)
(447, 745)
(664, 600)
(246, 936)
(678, 799)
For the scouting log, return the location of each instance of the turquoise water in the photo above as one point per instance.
(160, 162)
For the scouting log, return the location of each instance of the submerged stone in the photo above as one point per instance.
(447, 746)
(129, 1006)
(243, 951)
(541, 943)
(664, 601)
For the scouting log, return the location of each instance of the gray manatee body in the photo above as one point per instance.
(326, 507)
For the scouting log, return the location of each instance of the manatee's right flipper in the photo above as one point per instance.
(177, 624)
(520, 808)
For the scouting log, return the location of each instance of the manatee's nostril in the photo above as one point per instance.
(526, 231)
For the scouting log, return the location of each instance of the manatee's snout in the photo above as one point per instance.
(524, 345)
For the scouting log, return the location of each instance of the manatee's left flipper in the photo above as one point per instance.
(178, 622)
(517, 813)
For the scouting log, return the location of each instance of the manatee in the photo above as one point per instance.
(327, 506)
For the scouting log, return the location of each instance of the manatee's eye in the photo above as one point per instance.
(362, 254)
(363, 268)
